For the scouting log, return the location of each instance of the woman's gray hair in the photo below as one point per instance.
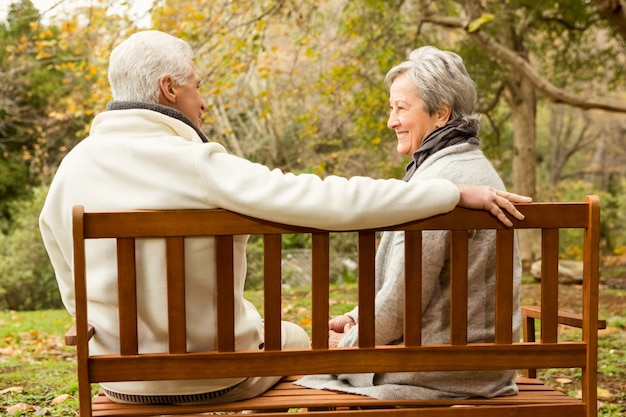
(136, 65)
(440, 77)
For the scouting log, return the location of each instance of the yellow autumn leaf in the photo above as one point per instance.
(477, 23)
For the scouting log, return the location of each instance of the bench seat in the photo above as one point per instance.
(533, 395)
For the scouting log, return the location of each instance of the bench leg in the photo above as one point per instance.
(529, 336)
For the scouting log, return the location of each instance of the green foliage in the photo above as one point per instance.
(13, 176)
(612, 218)
(27, 281)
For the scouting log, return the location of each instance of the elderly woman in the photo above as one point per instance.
(432, 111)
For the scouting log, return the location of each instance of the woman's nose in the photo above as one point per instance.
(392, 122)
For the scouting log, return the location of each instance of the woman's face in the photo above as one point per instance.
(408, 117)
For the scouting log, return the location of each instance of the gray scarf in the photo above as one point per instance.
(452, 133)
(168, 111)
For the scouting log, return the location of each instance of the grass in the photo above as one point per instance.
(38, 373)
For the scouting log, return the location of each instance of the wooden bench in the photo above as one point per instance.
(548, 351)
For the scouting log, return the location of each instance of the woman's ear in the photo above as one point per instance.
(443, 115)
(168, 93)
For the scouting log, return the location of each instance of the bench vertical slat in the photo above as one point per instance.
(458, 286)
(272, 246)
(80, 289)
(320, 272)
(175, 267)
(591, 268)
(367, 289)
(549, 285)
(224, 284)
(413, 288)
(505, 243)
(127, 293)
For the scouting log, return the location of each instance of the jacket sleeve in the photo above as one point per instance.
(307, 200)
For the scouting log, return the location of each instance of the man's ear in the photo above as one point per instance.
(168, 93)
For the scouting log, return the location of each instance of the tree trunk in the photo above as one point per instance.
(520, 96)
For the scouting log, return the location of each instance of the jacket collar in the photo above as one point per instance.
(168, 111)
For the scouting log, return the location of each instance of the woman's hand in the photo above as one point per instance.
(492, 200)
(338, 327)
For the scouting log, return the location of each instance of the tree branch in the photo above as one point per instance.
(518, 63)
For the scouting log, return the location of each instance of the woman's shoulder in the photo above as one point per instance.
(459, 163)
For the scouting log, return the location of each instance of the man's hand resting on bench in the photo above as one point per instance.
(492, 200)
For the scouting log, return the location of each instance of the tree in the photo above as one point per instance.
(534, 41)
(27, 280)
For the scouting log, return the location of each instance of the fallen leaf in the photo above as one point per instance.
(605, 394)
(7, 351)
(11, 390)
(60, 399)
(20, 407)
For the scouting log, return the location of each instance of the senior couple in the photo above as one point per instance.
(148, 151)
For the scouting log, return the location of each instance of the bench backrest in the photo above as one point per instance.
(504, 353)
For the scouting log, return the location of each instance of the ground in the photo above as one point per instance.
(612, 346)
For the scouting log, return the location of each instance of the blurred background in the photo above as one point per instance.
(298, 85)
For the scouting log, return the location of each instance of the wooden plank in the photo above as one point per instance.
(127, 296)
(413, 288)
(300, 397)
(458, 286)
(549, 285)
(591, 281)
(564, 317)
(505, 252)
(537, 215)
(367, 289)
(395, 358)
(82, 321)
(272, 290)
(176, 310)
(156, 223)
(320, 271)
(225, 297)
(147, 223)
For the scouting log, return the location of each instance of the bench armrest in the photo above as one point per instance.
(564, 317)
(70, 335)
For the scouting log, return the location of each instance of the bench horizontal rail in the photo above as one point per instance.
(220, 222)
(344, 360)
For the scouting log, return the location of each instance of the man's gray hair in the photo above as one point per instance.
(136, 65)
(440, 77)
